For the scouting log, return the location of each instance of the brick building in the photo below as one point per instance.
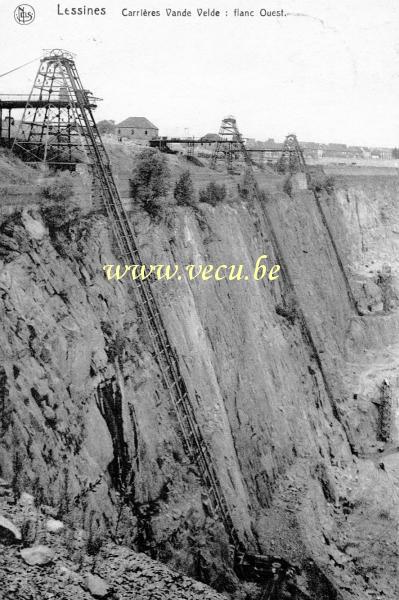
(136, 128)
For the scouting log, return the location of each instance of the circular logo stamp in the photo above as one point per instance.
(24, 14)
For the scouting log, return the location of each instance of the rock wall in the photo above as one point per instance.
(272, 368)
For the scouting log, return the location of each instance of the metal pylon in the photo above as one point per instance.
(54, 132)
(229, 146)
(291, 159)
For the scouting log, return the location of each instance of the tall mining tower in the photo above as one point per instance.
(57, 119)
(291, 159)
(230, 145)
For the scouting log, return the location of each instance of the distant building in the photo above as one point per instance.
(337, 147)
(355, 152)
(311, 150)
(209, 138)
(336, 151)
(268, 151)
(271, 150)
(333, 151)
(376, 153)
(136, 128)
(385, 153)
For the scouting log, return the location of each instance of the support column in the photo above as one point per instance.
(9, 128)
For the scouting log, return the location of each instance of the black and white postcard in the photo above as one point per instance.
(199, 300)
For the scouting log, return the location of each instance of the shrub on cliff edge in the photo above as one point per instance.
(150, 180)
(213, 194)
(58, 208)
(184, 190)
(322, 182)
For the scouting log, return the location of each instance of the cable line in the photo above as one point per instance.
(20, 67)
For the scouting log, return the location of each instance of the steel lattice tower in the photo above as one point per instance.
(291, 159)
(55, 131)
(230, 145)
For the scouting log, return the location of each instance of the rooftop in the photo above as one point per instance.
(211, 136)
(137, 122)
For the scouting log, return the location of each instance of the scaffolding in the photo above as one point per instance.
(291, 159)
(230, 146)
(52, 129)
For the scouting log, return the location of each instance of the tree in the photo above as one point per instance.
(106, 126)
(213, 193)
(184, 189)
(58, 208)
(150, 180)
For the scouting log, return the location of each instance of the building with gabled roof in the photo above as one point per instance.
(209, 139)
(136, 128)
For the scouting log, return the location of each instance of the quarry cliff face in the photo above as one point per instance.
(287, 378)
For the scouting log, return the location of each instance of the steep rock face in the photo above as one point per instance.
(270, 367)
(283, 386)
(86, 423)
(363, 218)
(268, 386)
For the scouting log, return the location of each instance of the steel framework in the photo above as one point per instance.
(52, 129)
(229, 146)
(291, 159)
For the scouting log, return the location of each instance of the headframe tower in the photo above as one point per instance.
(53, 128)
(229, 146)
(291, 159)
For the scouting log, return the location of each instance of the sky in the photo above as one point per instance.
(327, 71)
